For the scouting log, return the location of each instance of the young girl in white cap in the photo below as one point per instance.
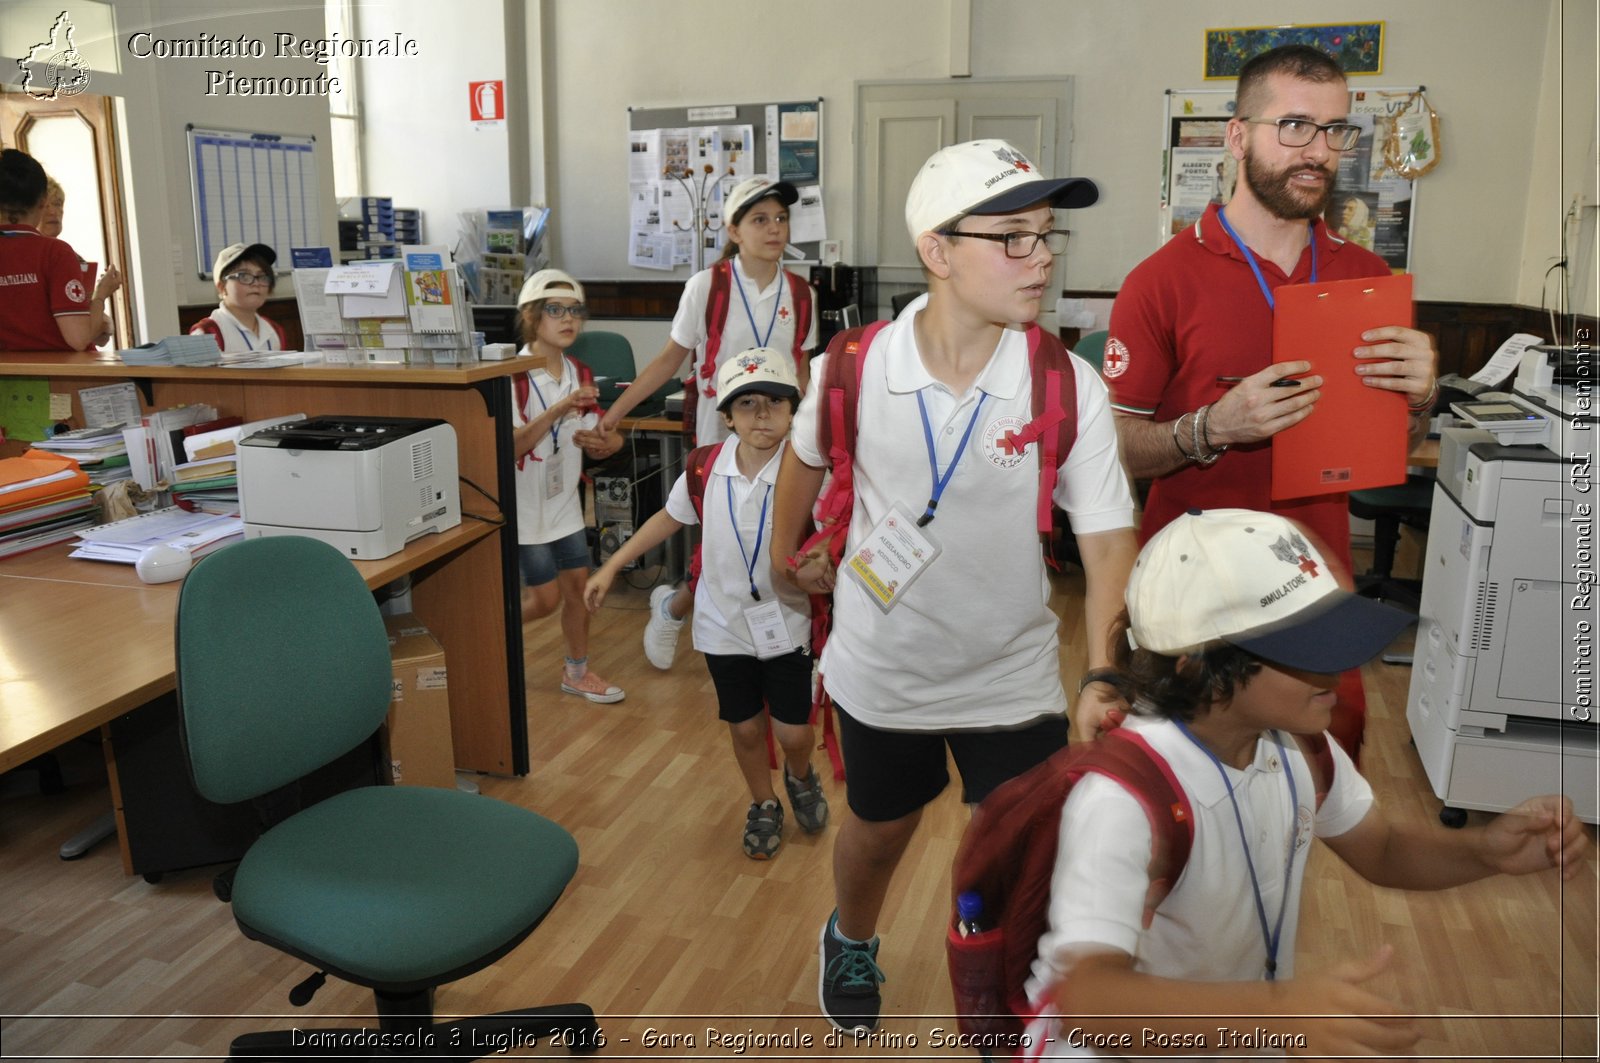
(744, 300)
(756, 637)
(244, 277)
(553, 419)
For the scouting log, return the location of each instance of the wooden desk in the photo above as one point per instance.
(467, 595)
(1426, 456)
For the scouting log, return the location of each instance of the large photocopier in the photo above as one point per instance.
(1501, 704)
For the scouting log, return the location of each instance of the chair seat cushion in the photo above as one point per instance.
(1415, 493)
(398, 885)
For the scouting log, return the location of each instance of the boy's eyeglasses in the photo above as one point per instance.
(1298, 132)
(1022, 244)
(557, 311)
(250, 279)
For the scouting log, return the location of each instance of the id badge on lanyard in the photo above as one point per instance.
(891, 557)
(768, 633)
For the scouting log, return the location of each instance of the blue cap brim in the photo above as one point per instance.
(1066, 193)
(1341, 632)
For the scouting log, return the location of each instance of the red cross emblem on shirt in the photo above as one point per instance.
(783, 312)
(1009, 444)
(1308, 566)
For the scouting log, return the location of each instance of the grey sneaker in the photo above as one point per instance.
(661, 631)
(810, 804)
(848, 980)
(763, 829)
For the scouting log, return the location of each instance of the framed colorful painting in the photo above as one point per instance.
(1357, 47)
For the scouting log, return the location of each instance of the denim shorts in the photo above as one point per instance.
(541, 561)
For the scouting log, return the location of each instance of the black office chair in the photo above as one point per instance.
(1388, 508)
(283, 665)
(899, 302)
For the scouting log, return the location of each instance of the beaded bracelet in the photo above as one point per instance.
(1426, 405)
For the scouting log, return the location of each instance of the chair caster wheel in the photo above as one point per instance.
(1454, 818)
(153, 877)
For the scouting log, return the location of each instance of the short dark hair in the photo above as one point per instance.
(1296, 60)
(1179, 688)
(22, 183)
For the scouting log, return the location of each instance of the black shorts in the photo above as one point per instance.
(891, 774)
(744, 684)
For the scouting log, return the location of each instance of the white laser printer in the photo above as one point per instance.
(365, 485)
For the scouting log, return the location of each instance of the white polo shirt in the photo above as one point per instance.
(737, 510)
(542, 519)
(972, 643)
(1207, 928)
(773, 319)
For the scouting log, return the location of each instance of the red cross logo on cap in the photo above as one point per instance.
(1308, 566)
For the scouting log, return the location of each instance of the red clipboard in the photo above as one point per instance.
(1356, 435)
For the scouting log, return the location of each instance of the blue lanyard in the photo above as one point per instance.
(933, 455)
(555, 439)
(1250, 258)
(755, 333)
(1270, 938)
(761, 529)
(249, 344)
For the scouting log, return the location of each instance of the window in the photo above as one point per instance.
(344, 106)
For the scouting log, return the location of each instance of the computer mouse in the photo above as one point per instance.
(162, 563)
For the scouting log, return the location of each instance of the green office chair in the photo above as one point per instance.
(610, 355)
(283, 665)
(1092, 348)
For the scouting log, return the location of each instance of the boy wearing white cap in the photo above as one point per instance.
(756, 637)
(244, 279)
(960, 652)
(553, 427)
(1236, 631)
(744, 300)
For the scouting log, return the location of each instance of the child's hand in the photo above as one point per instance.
(581, 399)
(598, 442)
(1352, 1020)
(815, 574)
(109, 282)
(594, 591)
(1540, 833)
(1101, 707)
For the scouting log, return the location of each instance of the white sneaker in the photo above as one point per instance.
(661, 632)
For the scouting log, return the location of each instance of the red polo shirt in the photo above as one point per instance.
(40, 279)
(1190, 313)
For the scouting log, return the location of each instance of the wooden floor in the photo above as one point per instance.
(669, 928)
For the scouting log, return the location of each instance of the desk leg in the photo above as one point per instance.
(670, 454)
(498, 398)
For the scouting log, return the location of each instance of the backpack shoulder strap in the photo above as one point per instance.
(836, 431)
(696, 469)
(717, 301)
(1320, 759)
(1055, 411)
(1125, 756)
(801, 296)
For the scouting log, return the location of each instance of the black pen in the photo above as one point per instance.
(1285, 382)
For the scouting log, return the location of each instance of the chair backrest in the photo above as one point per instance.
(900, 301)
(609, 355)
(1092, 348)
(282, 664)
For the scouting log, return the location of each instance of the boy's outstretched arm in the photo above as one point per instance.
(1106, 1004)
(1538, 834)
(1107, 559)
(645, 383)
(794, 498)
(653, 532)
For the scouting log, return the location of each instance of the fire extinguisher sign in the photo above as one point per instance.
(487, 100)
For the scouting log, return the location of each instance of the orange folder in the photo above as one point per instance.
(1356, 435)
(36, 475)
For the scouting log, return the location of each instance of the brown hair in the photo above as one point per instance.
(529, 313)
(1179, 688)
(1299, 61)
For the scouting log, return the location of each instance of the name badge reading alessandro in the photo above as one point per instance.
(768, 633)
(891, 557)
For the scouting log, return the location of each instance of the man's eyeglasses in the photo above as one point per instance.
(1298, 132)
(1022, 244)
(557, 311)
(249, 279)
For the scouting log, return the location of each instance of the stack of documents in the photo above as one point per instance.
(123, 541)
(174, 350)
(44, 499)
(101, 451)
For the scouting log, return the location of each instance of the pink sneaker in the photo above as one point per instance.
(594, 688)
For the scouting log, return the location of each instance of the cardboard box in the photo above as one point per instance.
(417, 732)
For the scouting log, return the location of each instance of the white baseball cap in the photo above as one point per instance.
(762, 370)
(550, 283)
(985, 177)
(1251, 580)
(744, 194)
(229, 257)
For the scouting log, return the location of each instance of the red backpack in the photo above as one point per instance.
(522, 389)
(1008, 857)
(703, 378)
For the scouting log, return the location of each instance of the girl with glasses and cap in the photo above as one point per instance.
(244, 277)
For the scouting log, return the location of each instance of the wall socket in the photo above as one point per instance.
(832, 252)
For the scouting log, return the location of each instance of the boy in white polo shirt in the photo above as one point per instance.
(756, 637)
(964, 655)
(1236, 632)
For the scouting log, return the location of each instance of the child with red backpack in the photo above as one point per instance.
(1235, 634)
(755, 636)
(943, 639)
(554, 417)
(745, 300)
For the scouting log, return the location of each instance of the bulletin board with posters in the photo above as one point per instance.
(682, 160)
(1371, 206)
